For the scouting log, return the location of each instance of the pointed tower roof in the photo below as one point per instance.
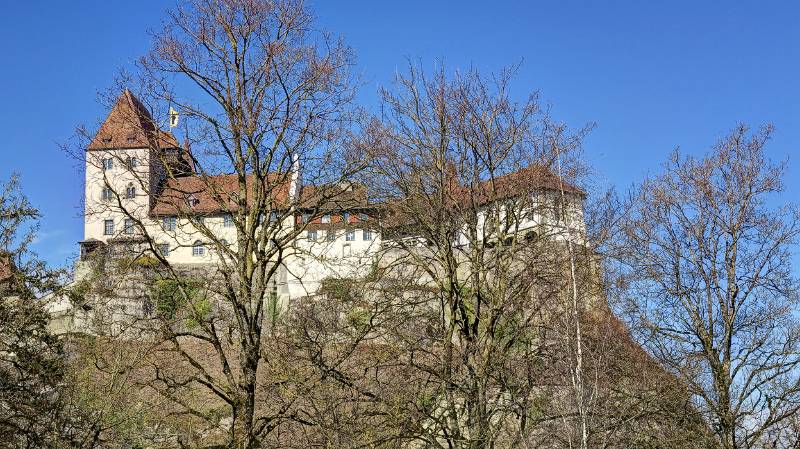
(130, 125)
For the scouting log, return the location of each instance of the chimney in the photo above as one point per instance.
(296, 183)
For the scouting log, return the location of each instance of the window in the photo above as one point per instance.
(326, 218)
(558, 209)
(108, 164)
(227, 220)
(108, 227)
(350, 236)
(367, 234)
(198, 249)
(192, 201)
(346, 218)
(305, 218)
(199, 220)
(224, 243)
(273, 217)
(311, 236)
(131, 162)
(163, 249)
(130, 191)
(363, 217)
(128, 226)
(107, 194)
(331, 235)
(168, 223)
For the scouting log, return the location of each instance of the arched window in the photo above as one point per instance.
(198, 249)
(130, 191)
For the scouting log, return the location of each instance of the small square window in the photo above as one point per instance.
(198, 249)
(350, 236)
(128, 229)
(168, 223)
(326, 218)
(163, 249)
(331, 235)
(108, 227)
(311, 236)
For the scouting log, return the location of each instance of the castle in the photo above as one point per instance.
(144, 195)
(140, 181)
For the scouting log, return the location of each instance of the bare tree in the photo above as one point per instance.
(708, 252)
(260, 94)
(475, 220)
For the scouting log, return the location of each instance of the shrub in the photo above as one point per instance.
(170, 295)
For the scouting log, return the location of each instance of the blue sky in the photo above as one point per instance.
(651, 76)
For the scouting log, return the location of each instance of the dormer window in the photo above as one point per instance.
(326, 218)
(192, 201)
(346, 218)
(131, 138)
(130, 191)
(107, 139)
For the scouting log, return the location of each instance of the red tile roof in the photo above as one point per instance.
(212, 194)
(130, 125)
(524, 181)
(528, 179)
(6, 268)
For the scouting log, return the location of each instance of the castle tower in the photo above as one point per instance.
(125, 165)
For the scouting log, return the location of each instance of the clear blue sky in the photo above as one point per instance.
(652, 77)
